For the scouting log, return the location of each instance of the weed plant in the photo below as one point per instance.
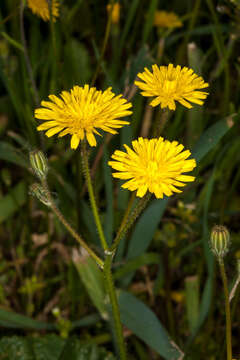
(97, 269)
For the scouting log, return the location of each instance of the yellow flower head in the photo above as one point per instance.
(167, 19)
(115, 12)
(81, 111)
(41, 8)
(170, 84)
(154, 165)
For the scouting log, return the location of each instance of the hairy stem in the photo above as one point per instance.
(75, 235)
(129, 221)
(110, 288)
(92, 197)
(227, 311)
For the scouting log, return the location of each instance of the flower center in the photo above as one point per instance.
(84, 119)
(169, 86)
(152, 170)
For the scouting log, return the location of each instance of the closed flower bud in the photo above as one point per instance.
(56, 312)
(38, 191)
(114, 9)
(39, 163)
(220, 241)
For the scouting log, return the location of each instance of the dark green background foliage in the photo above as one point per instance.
(169, 287)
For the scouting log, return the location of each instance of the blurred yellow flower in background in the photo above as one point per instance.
(115, 12)
(41, 9)
(170, 84)
(167, 19)
(81, 112)
(154, 165)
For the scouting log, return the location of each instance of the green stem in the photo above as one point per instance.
(222, 54)
(129, 221)
(92, 197)
(75, 235)
(114, 303)
(54, 49)
(79, 186)
(104, 46)
(160, 122)
(127, 212)
(26, 56)
(227, 311)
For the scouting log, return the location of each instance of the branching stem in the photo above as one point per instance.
(69, 227)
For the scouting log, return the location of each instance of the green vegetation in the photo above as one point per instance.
(55, 302)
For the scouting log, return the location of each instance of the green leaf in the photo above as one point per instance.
(144, 231)
(197, 31)
(74, 350)
(15, 348)
(138, 62)
(192, 301)
(211, 137)
(92, 278)
(76, 63)
(11, 154)
(86, 321)
(18, 321)
(47, 347)
(129, 19)
(10, 319)
(50, 347)
(11, 203)
(145, 228)
(12, 92)
(12, 41)
(195, 118)
(137, 317)
(148, 24)
(136, 263)
(89, 221)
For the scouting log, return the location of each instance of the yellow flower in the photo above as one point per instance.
(115, 12)
(154, 165)
(81, 111)
(170, 84)
(167, 19)
(41, 8)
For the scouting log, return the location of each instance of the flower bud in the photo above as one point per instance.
(56, 312)
(220, 241)
(38, 191)
(114, 9)
(39, 163)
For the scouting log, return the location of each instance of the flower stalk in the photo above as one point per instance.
(107, 271)
(227, 310)
(220, 243)
(62, 219)
(110, 288)
(129, 221)
(40, 167)
(92, 197)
